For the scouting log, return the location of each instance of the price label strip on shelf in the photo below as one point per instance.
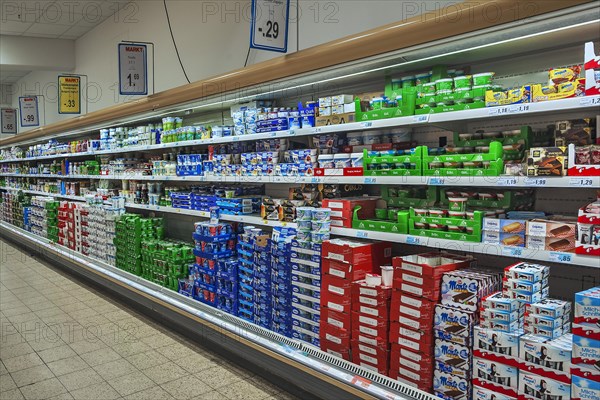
(512, 251)
(581, 182)
(590, 101)
(506, 181)
(558, 256)
(538, 182)
(509, 110)
(421, 119)
(435, 181)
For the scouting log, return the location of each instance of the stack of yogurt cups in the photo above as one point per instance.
(314, 224)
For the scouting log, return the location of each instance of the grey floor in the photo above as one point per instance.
(62, 340)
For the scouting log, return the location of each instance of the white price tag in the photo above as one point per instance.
(28, 107)
(535, 182)
(590, 101)
(133, 69)
(435, 181)
(291, 132)
(581, 182)
(367, 124)
(362, 234)
(558, 256)
(315, 180)
(413, 240)
(512, 251)
(370, 181)
(9, 120)
(269, 25)
(507, 110)
(506, 181)
(421, 119)
(316, 130)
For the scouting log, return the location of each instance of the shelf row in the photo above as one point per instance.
(557, 106)
(481, 248)
(477, 181)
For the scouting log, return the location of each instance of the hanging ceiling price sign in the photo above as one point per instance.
(69, 94)
(28, 107)
(269, 25)
(133, 69)
(9, 120)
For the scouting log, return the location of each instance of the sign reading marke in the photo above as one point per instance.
(28, 107)
(133, 71)
(269, 25)
(9, 120)
(69, 94)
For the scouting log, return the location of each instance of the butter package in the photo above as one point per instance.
(547, 161)
(496, 376)
(498, 301)
(587, 306)
(480, 393)
(527, 272)
(533, 386)
(550, 308)
(450, 387)
(551, 354)
(454, 355)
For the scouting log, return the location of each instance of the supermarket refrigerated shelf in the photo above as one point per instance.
(475, 181)
(555, 107)
(295, 352)
(468, 247)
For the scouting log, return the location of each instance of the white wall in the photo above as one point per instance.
(212, 37)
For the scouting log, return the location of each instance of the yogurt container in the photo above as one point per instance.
(444, 84)
(484, 78)
(354, 138)
(462, 82)
(304, 225)
(457, 203)
(326, 161)
(304, 236)
(304, 213)
(342, 161)
(319, 237)
(356, 159)
(372, 137)
(321, 226)
(321, 214)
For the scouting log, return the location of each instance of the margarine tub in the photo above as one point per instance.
(484, 78)
(462, 81)
(444, 84)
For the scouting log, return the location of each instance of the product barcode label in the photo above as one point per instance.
(368, 292)
(335, 322)
(412, 279)
(370, 311)
(338, 273)
(367, 349)
(333, 339)
(410, 311)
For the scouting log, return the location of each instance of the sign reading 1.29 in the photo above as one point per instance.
(133, 71)
(269, 25)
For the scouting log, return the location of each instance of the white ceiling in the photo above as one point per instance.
(54, 19)
(57, 19)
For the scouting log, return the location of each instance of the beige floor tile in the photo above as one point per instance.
(218, 377)
(10, 313)
(62, 300)
(44, 305)
(75, 306)
(22, 362)
(3, 369)
(214, 395)
(31, 375)
(80, 379)
(62, 396)
(56, 353)
(91, 343)
(175, 351)
(49, 312)
(7, 383)
(48, 341)
(157, 340)
(98, 391)
(147, 359)
(15, 350)
(131, 383)
(165, 373)
(115, 369)
(14, 394)
(197, 362)
(82, 315)
(153, 393)
(67, 365)
(129, 349)
(243, 390)
(118, 315)
(101, 356)
(186, 387)
(43, 390)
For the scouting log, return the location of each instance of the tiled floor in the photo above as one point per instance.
(61, 340)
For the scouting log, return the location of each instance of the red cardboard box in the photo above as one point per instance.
(379, 293)
(416, 341)
(422, 381)
(370, 340)
(375, 351)
(343, 209)
(336, 318)
(410, 322)
(382, 311)
(333, 337)
(335, 285)
(432, 265)
(343, 353)
(336, 302)
(380, 330)
(360, 254)
(375, 362)
(412, 360)
(414, 308)
(344, 270)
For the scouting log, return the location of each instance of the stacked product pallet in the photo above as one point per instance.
(245, 252)
(130, 230)
(281, 279)
(345, 262)
(261, 300)
(585, 366)
(414, 314)
(66, 224)
(101, 226)
(43, 215)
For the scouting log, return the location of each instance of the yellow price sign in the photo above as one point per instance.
(69, 94)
